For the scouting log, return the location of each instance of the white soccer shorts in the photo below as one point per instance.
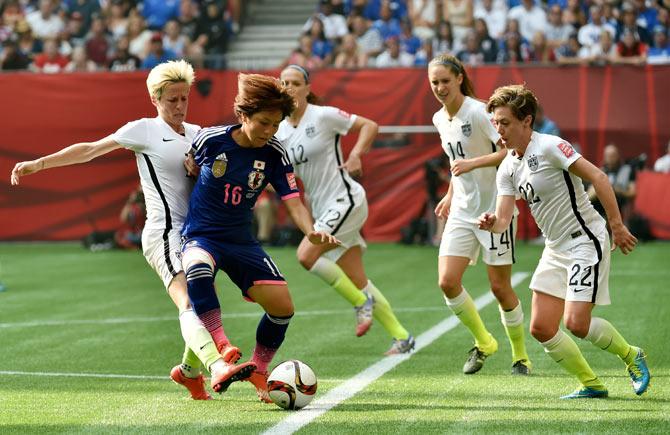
(463, 239)
(345, 223)
(163, 253)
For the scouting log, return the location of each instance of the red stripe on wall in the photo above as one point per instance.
(651, 114)
(604, 110)
(582, 106)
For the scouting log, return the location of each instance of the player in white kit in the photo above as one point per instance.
(160, 145)
(469, 140)
(311, 135)
(572, 275)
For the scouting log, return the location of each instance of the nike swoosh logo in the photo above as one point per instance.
(500, 254)
(577, 290)
(205, 345)
(167, 140)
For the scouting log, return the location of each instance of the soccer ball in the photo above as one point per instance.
(292, 384)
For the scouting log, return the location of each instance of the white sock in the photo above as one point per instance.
(513, 317)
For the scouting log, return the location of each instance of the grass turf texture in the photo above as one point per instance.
(67, 310)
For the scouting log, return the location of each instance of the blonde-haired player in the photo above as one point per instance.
(160, 145)
(469, 140)
(311, 135)
(572, 275)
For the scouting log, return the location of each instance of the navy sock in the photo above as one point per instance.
(272, 330)
(200, 281)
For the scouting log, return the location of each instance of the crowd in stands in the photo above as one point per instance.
(401, 33)
(54, 36)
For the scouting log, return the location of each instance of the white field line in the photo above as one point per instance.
(120, 320)
(354, 385)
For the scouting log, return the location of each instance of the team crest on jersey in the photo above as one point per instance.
(256, 178)
(466, 129)
(532, 163)
(219, 166)
(310, 131)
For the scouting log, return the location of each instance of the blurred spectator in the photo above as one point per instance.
(387, 25)
(11, 13)
(545, 125)
(604, 52)
(355, 7)
(334, 25)
(373, 9)
(132, 217)
(27, 43)
(663, 163)
(74, 29)
(173, 39)
(122, 60)
(459, 13)
(369, 39)
(321, 46)
(589, 34)
(495, 16)
(630, 50)
(488, 45)
(659, 53)
(647, 16)
(574, 15)
(408, 42)
(444, 40)
(472, 54)
(422, 15)
(513, 49)
(350, 56)
(12, 58)
(425, 53)
(531, 18)
(629, 23)
(138, 35)
(44, 22)
(663, 16)
(158, 12)
(50, 61)
(622, 178)
(84, 10)
(393, 56)
(80, 61)
(212, 34)
(571, 52)
(188, 18)
(97, 44)
(303, 55)
(157, 53)
(117, 19)
(539, 50)
(556, 31)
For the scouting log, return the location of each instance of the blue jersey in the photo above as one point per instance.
(231, 179)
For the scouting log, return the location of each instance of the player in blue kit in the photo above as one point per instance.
(237, 162)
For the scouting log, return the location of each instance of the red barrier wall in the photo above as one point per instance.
(43, 113)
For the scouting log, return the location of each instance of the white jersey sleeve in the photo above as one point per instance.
(337, 120)
(561, 154)
(133, 135)
(505, 177)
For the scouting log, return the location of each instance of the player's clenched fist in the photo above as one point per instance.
(486, 221)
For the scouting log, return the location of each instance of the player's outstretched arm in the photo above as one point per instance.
(303, 220)
(73, 154)
(499, 221)
(367, 131)
(463, 166)
(621, 237)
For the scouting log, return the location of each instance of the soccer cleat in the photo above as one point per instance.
(364, 315)
(477, 356)
(587, 393)
(232, 373)
(639, 372)
(521, 367)
(230, 354)
(196, 386)
(401, 346)
(260, 381)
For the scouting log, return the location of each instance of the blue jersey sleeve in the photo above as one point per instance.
(283, 177)
(204, 147)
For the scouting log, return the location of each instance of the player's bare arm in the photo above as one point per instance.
(463, 166)
(73, 154)
(367, 131)
(303, 220)
(498, 222)
(621, 237)
(443, 207)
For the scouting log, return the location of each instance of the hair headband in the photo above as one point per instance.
(300, 69)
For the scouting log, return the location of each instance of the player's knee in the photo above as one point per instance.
(283, 308)
(541, 331)
(577, 326)
(305, 258)
(196, 256)
(450, 286)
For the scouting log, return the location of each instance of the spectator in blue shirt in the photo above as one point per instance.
(387, 25)
(157, 53)
(545, 125)
(158, 12)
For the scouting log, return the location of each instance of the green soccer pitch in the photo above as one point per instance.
(87, 341)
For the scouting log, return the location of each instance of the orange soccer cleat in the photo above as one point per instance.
(230, 354)
(232, 373)
(196, 386)
(260, 381)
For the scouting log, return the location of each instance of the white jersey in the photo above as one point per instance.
(160, 154)
(556, 197)
(470, 133)
(316, 154)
